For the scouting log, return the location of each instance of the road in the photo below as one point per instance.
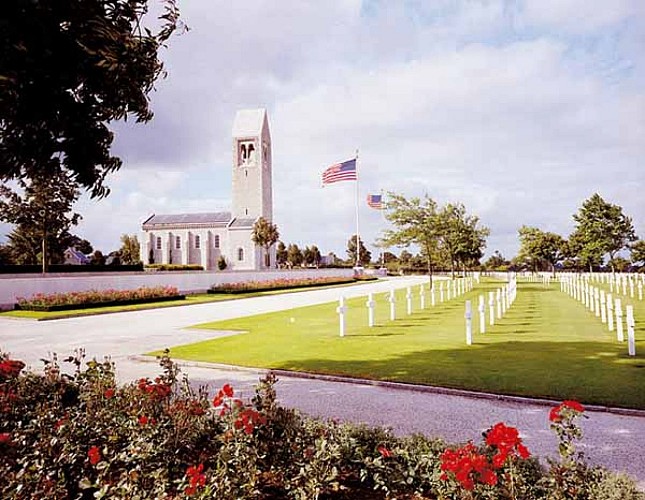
(612, 440)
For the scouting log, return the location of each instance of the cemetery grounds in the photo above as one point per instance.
(547, 345)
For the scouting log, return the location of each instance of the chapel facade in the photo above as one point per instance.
(205, 238)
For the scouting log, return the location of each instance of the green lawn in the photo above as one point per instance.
(200, 298)
(548, 345)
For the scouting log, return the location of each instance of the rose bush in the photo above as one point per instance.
(279, 284)
(42, 301)
(80, 435)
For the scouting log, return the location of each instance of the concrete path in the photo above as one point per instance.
(612, 440)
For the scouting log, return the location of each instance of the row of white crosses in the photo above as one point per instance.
(503, 298)
(452, 289)
(626, 284)
(604, 306)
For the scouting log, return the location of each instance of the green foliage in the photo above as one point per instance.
(80, 435)
(41, 212)
(364, 255)
(97, 258)
(311, 256)
(638, 252)
(415, 221)
(461, 237)
(221, 263)
(601, 229)
(68, 70)
(264, 235)
(129, 253)
(496, 262)
(539, 248)
(281, 254)
(174, 267)
(294, 255)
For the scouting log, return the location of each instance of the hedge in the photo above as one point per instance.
(68, 268)
(175, 267)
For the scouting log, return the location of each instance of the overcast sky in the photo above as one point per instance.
(519, 109)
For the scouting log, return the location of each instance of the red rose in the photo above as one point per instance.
(573, 405)
(5, 438)
(109, 393)
(554, 414)
(143, 420)
(227, 390)
(94, 454)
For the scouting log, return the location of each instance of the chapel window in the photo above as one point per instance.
(240, 254)
(217, 241)
(177, 241)
(158, 242)
(197, 241)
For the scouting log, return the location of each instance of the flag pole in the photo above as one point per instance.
(383, 215)
(358, 239)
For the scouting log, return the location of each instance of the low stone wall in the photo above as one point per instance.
(26, 285)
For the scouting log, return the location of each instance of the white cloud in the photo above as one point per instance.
(489, 103)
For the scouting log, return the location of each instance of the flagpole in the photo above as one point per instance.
(383, 215)
(358, 239)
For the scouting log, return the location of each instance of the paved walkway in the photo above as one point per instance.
(612, 440)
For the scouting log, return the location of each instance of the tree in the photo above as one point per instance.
(42, 215)
(638, 252)
(311, 256)
(97, 258)
(405, 257)
(281, 254)
(601, 229)
(68, 70)
(264, 235)
(539, 248)
(460, 237)
(294, 255)
(5, 256)
(82, 245)
(415, 222)
(129, 253)
(496, 262)
(619, 264)
(364, 255)
(390, 257)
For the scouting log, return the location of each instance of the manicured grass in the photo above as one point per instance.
(548, 345)
(200, 298)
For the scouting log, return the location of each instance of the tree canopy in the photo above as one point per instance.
(601, 229)
(538, 248)
(364, 255)
(68, 69)
(264, 235)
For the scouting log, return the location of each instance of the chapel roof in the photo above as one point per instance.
(249, 122)
(240, 222)
(216, 218)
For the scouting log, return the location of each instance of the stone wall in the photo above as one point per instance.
(14, 286)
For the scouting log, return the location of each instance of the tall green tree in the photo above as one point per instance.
(539, 248)
(601, 229)
(496, 262)
(68, 69)
(461, 238)
(264, 235)
(311, 256)
(364, 255)
(41, 211)
(294, 255)
(281, 254)
(130, 251)
(415, 223)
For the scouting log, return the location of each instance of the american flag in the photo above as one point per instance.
(345, 171)
(375, 201)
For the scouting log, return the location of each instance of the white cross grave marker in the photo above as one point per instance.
(422, 296)
(603, 307)
(619, 321)
(491, 306)
(640, 290)
(441, 292)
(370, 309)
(469, 323)
(631, 340)
(596, 295)
(392, 300)
(432, 301)
(341, 309)
(408, 296)
(610, 312)
(499, 303)
(482, 314)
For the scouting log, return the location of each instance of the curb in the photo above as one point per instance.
(431, 389)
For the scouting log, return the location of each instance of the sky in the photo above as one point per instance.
(519, 109)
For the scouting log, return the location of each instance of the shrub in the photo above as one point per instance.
(221, 263)
(81, 435)
(279, 284)
(72, 300)
(175, 267)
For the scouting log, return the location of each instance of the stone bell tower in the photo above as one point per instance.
(252, 187)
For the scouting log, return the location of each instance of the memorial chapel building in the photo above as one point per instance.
(202, 238)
